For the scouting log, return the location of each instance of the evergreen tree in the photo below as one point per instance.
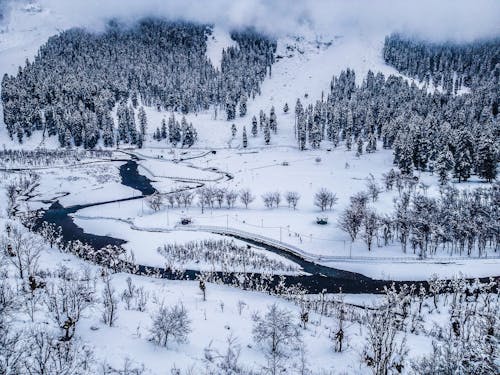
(315, 136)
(285, 108)
(254, 126)
(267, 132)
(132, 129)
(487, 159)
(174, 133)
(463, 156)
(245, 139)
(302, 133)
(230, 109)
(444, 164)
(359, 146)
(143, 122)
(273, 124)
(190, 136)
(163, 133)
(243, 105)
(262, 119)
(108, 136)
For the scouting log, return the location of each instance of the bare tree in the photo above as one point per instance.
(351, 219)
(231, 197)
(292, 198)
(246, 197)
(178, 198)
(324, 199)
(11, 350)
(109, 302)
(276, 333)
(187, 198)
(383, 350)
(206, 197)
(219, 194)
(277, 198)
(371, 223)
(171, 199)
(128, 294)
(128, 368)
(23, 250)
(268, 199)
(226, 362)
(155, 201)
(373, 188)
(170, 323)
(51, 233)
(47, 355)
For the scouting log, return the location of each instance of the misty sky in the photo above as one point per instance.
(438, 20)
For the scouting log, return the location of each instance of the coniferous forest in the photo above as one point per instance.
(439, 130)
(77, 78)
(243, 188)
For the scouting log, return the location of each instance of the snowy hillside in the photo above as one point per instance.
(351, 228)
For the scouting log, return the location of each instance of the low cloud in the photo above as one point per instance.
(437, 20)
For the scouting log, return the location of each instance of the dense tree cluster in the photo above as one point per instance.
(452, 134)
(222, 254)
(44, 157)
(72, 86)
(176, 133)
(448, 65)
(456, 222)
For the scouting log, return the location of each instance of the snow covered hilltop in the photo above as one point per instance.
(198, 194)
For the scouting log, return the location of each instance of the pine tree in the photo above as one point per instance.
(360, 146)
(463, 156)
(267, 132)
(230, 109)
(444, 164)
(245, 139)
(143, 122)
(171, 129)
(233, 130)
(486, 158)
(315, 135)
(163, 132)
(108, 136)
(243, 105)
(254, 126)
(189, 136)
(132, 129)
(372, 143)
(273, 123)
(262, 119)
(157, 135)
(285, 108)
(122, 114)
(404, 155)
(174, 133)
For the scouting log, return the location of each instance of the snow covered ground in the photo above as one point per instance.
(305, 65)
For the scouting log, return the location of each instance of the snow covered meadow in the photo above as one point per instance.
(220, 270)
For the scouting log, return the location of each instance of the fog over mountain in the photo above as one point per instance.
(456, 20)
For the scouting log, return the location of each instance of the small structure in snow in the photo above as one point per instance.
(186, 220)
(322, 220)
(285, 164)
(317, 160)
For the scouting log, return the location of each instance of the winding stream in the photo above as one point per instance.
(319, 277)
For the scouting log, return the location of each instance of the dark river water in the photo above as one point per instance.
(320, 277)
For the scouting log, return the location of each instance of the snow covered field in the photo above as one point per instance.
(304, 68)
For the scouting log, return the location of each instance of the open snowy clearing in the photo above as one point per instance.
(262, 171)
